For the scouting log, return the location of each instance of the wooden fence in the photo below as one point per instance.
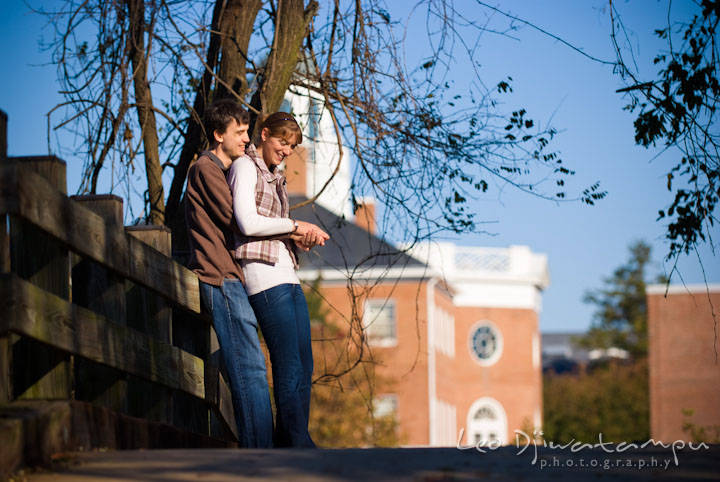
(96, 312)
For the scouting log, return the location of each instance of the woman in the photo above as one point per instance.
(261, 208)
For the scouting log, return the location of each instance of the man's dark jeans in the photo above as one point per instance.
(236, 328)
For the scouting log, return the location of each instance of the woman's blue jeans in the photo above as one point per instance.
(237, 331)
(283, 317)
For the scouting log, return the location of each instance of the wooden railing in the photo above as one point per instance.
(97, 312)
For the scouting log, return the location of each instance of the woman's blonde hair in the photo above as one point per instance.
(283, 126)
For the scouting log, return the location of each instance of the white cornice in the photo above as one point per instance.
(659, 289)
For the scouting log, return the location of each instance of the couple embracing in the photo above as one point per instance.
(241, 241)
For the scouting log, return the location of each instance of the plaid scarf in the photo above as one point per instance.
(271, 199)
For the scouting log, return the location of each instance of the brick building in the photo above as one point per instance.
(453, 329)
(683, 366)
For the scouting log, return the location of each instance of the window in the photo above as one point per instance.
(486, 423)
(384, 406)
(485, 343)
(444, 332)
(485, 413)
(379, 320)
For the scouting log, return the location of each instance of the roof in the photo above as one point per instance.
(349, 246)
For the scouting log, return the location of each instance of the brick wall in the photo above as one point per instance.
(514, 380)
(296, 171)
(404, 366)
(684, 373)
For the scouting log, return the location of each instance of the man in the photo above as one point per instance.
(209, 216)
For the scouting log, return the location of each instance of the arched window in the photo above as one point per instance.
(486, 423)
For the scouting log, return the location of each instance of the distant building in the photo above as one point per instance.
(487, 371)
(684, 368)
(561, 354)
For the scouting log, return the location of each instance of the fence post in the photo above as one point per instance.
(102, 291)
(192, 335)
(217, 428)
(149, 313)
(39, 371)
(5, 385)
(4, 239)
(3, 136)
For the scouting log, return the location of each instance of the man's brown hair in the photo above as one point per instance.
(220, 114)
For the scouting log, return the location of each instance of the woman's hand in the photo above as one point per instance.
(308, 235)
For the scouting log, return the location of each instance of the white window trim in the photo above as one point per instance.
(381, 342)
(444, 332)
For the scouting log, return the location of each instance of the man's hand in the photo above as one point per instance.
(299, 242)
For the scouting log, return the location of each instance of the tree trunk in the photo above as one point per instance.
(291, 26)
(146, 114)
(235, 20)
(236, 27)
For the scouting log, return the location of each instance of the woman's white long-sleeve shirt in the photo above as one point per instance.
(259, 276)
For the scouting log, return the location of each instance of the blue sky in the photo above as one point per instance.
(583, 244)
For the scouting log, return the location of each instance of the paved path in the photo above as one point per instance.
(420, 464)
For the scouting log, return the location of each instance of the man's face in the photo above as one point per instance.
(234, 139)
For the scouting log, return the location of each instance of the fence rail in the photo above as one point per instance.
(94, 311)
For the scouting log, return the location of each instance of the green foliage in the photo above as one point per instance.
(679, 109)
(611, 400)
(620, 319)
(341, 415)
(709, 434)
(316, 307)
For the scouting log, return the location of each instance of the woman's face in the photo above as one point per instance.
(274, 149)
